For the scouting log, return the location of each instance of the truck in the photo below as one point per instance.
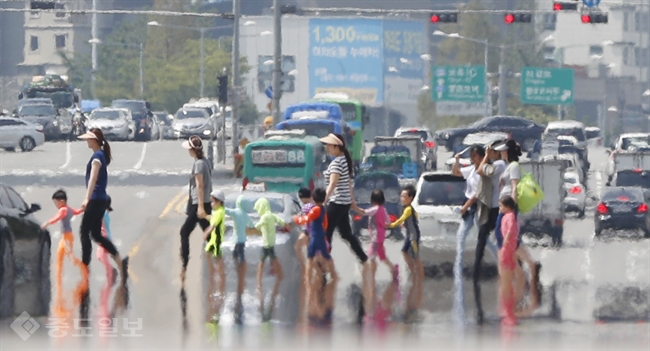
(631, 169)
(53, 86)
(548, 216)
(403, 155)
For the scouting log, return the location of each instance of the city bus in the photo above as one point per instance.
(354, 113)
(285, 161)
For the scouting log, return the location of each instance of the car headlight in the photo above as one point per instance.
(55, 123)
(207, 132)
(445, 135)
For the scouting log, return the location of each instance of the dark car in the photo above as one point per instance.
(364, 184)
(142, 116)
(44, 115)
(24, 257)
(623, 208)
(523, 130)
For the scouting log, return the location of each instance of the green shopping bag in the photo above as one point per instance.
(529, 193)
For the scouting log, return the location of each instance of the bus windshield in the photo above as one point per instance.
(349, 111)
(316, 129)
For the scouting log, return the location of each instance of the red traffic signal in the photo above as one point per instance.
(523, 17)
(565, 6)
(444, 17)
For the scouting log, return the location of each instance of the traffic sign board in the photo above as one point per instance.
(458, 83)
(591, 3)
(548, 86)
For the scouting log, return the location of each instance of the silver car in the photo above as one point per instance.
(115, 123)
(193, 121)
(576, 194)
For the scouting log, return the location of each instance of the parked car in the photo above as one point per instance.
(623, 208)
(188, 122)
(24, 257)
(431, 147)
(141, 114)
(115, 123)
(45, 115)
(576, 197)
(522, 130)
(570, 128)
(15, 132)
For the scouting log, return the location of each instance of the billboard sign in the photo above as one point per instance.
(404, 43)
(345, 55)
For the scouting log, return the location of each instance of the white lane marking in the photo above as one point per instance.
(142, 155)
(68, 154)
(599, 183)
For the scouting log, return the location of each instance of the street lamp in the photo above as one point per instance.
(479, 41)
(266, 33)
(202, 31)
(646, 93)
(139, 46)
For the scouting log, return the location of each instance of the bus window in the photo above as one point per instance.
(365, 115)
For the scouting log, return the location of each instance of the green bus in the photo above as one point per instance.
(355, 116)
(285, 161)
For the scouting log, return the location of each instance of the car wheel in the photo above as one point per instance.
(6, 277)
(27, 144)
(598, 231)
(45, 286)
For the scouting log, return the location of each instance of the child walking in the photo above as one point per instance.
(305, 197)
(318, 248)
(377, 222)
(64, 215)
(267, 227)
(213, 235)
(507, 259)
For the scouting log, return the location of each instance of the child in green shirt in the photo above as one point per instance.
(214, 237)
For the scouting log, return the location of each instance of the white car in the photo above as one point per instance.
(626, 142)
(115, 123)
(576, 194)
(15, 132)
(438, 196)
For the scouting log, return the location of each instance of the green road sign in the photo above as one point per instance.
(548, 86)
(458, 83)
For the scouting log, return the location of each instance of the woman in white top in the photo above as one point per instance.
(510, 153)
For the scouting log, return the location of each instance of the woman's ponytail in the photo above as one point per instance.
(103, 143)
(346, 153)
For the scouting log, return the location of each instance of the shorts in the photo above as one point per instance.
(238, 252)
(412, 248)
(215, 250)
(268, 252)
(377, 250)
(320, 246)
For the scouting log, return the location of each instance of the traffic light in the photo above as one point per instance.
(444, 17)
(565, 6)
(520, 17)
(223, 89)
(41, 5)
(594, 18)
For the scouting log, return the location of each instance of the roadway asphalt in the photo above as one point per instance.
(148, 187)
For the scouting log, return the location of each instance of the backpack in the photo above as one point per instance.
(529, 193)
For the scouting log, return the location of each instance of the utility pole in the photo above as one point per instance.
(277, 59)
(202, 31)
(236, 80)
(503, 89)
(141, 72)
(93, 74)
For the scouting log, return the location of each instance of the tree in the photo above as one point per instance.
(78, 68)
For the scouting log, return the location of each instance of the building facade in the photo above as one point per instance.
(50, 35)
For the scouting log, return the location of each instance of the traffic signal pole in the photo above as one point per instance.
(503, 88)
(236, 79)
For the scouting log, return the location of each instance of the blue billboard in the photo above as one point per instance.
(345, 55)
(404, 44)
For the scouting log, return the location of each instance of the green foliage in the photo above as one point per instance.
(78, 72)
(248, 113)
